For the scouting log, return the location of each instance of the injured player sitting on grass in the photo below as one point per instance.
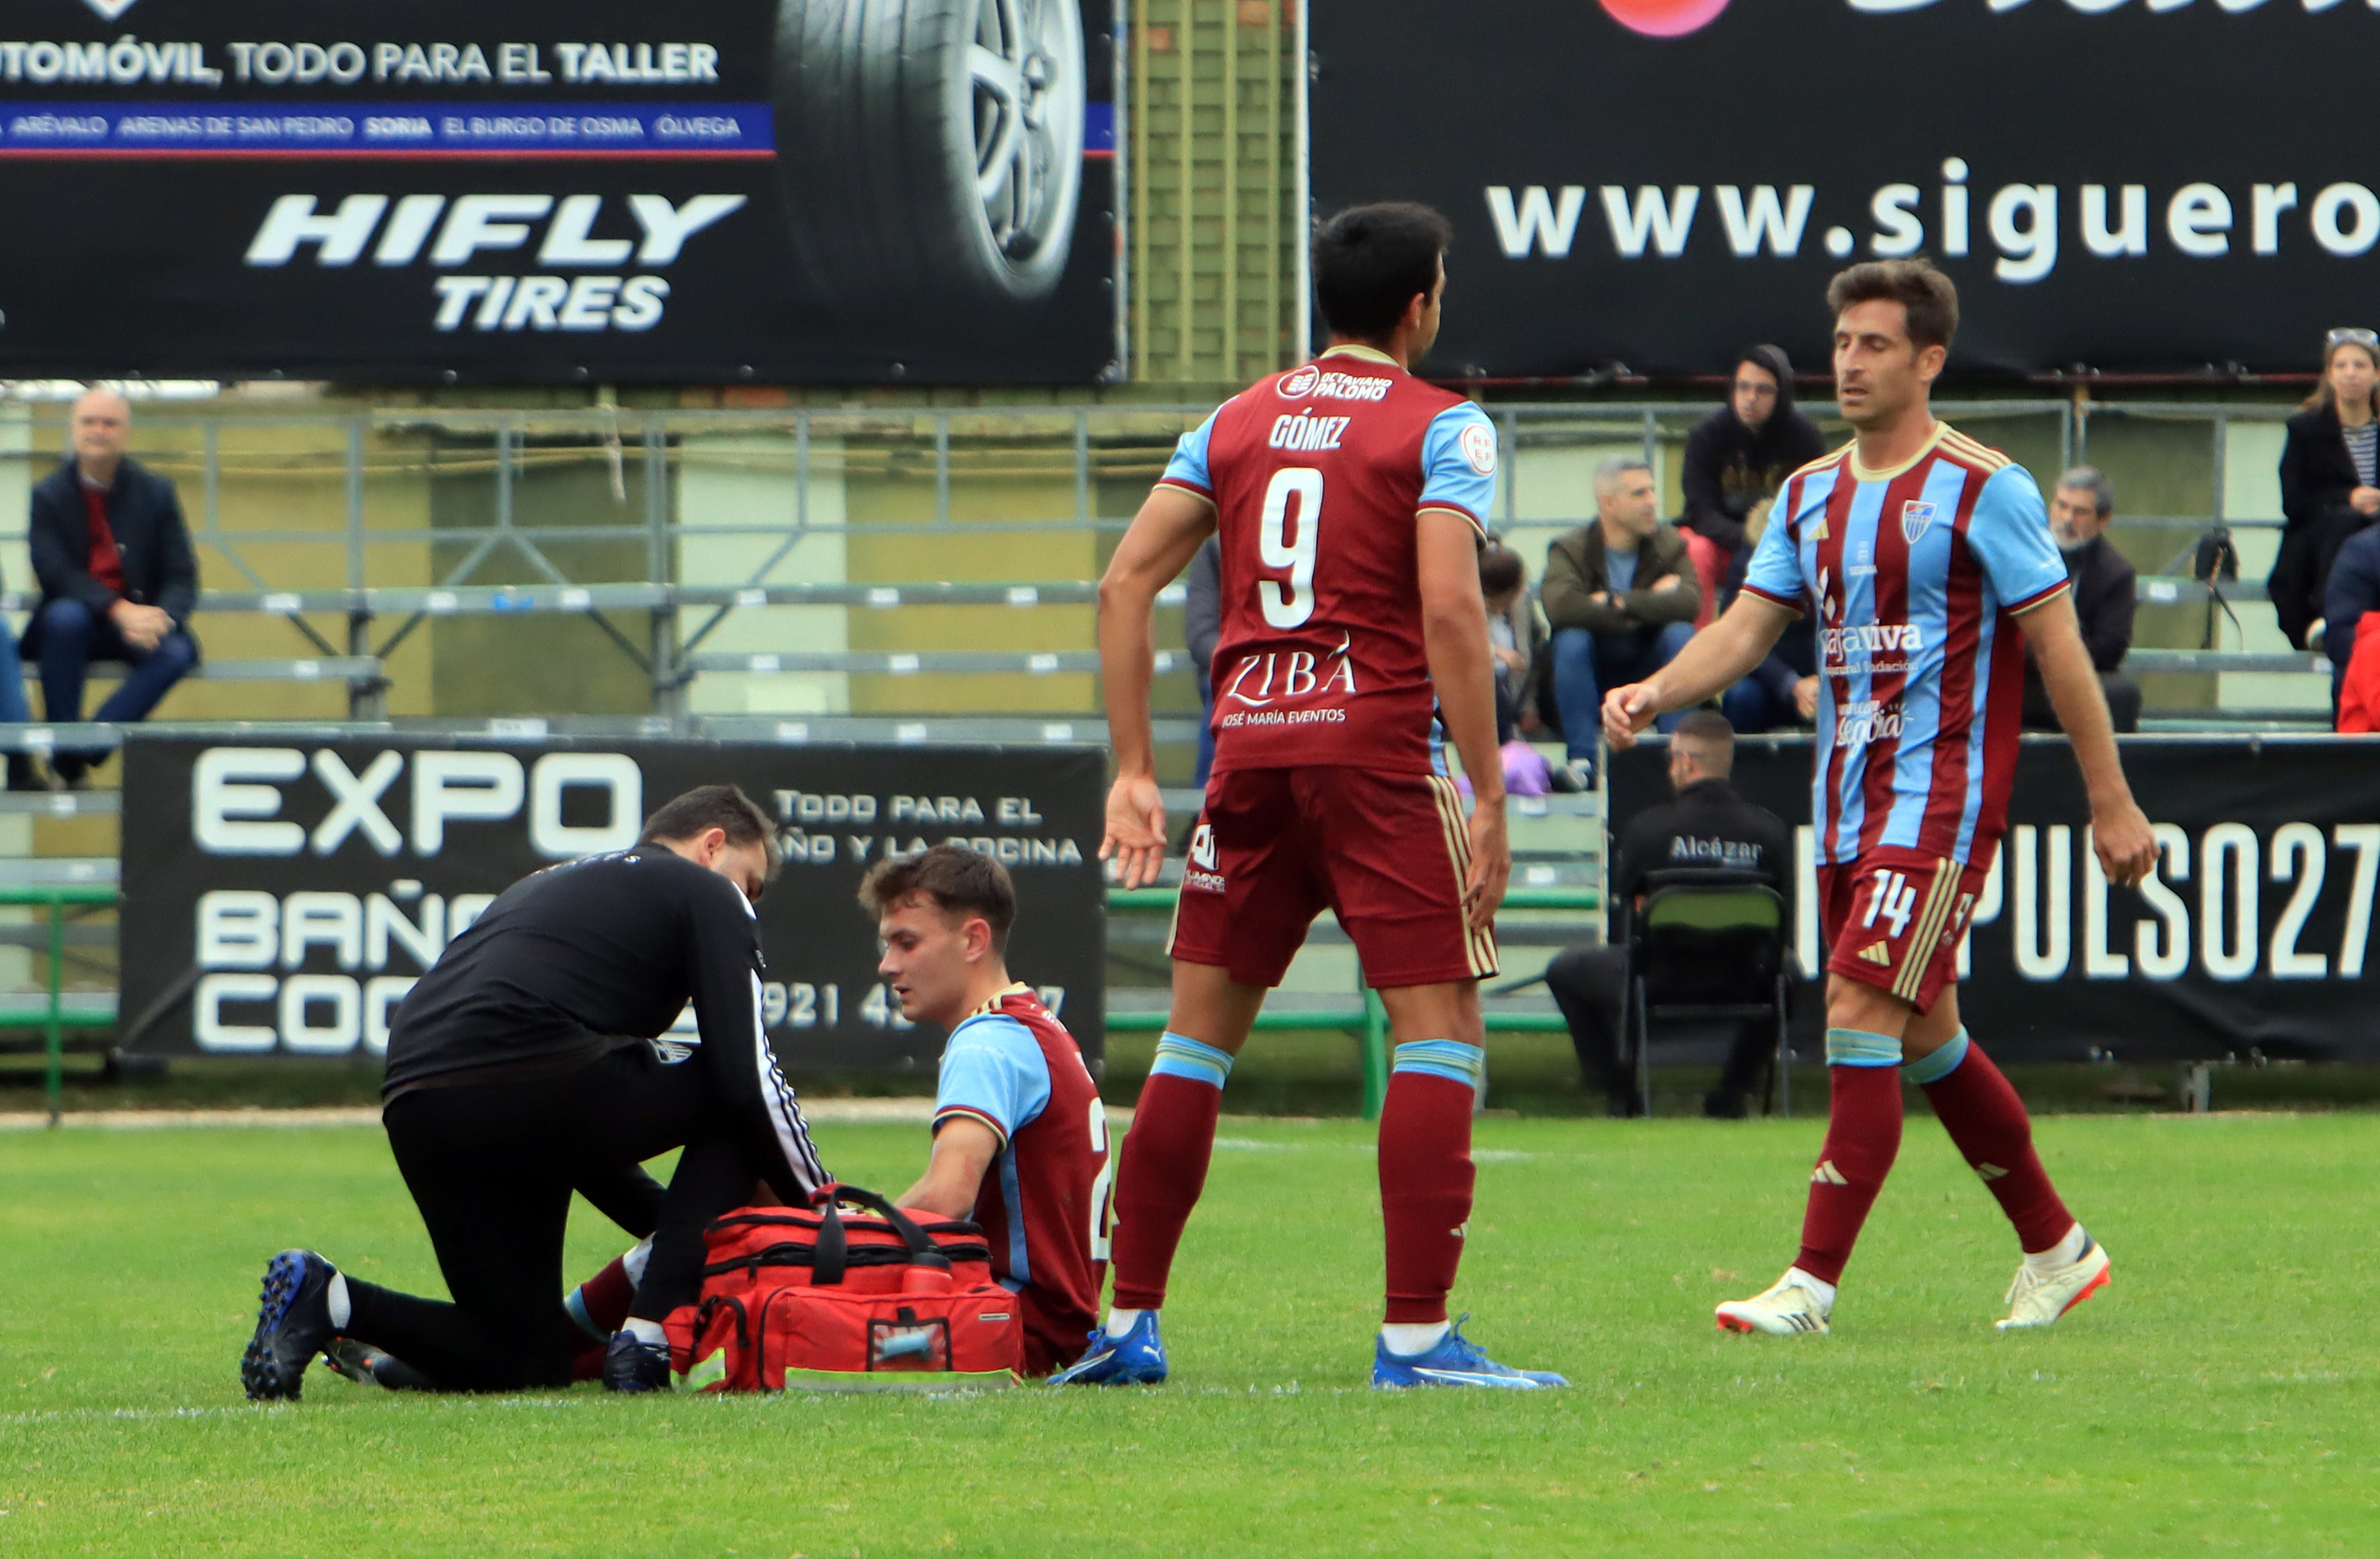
(1020, 1139)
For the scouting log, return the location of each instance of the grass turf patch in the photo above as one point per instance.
(2218, 1397)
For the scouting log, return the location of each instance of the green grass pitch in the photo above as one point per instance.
(2220, 1397)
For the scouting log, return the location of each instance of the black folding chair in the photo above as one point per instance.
(1708, 946)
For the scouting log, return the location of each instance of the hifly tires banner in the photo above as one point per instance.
(280, 898)
(710, 191)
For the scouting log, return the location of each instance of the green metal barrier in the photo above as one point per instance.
(1368, 1020)
(53, 1018)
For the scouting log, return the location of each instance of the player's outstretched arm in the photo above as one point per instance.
(1462, 672)
(1714, 660)
(2119, 830)
(964, 1149)
(1164, 536)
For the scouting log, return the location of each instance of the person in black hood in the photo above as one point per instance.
(1738, 456)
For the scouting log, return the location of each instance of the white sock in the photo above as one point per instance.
(2064, 1253)
(1407, 1338)
(1120, 1320)
(342, 1310)
(633, 1263)
(648, 1332)
(1823, 1292)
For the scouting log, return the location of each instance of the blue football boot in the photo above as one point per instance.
(1455, 1360)
(1135, 1358)
(292, 1324)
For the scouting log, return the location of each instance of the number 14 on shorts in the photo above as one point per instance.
(1892, 901)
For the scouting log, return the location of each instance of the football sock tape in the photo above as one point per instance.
(1449, 1058)
(1857, 1047)
(1939, 1065)
(1180, 1056)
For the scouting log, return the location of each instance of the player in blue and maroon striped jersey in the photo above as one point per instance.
(1927, 559)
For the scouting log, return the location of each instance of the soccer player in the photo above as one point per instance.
(1349, 497)
(1927, 561)
(528, 1062)
(1020, 1137)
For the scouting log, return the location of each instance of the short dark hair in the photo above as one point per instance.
(1370, 261)
(1708, 731)
(724, 807)
(1930, 296)
(959, 881)
(1500, 569)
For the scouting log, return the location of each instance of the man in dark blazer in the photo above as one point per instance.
(1707, 823)
(118, 579)
(2105, 591)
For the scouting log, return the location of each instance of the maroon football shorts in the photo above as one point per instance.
(1387, 852)
(1893, 919)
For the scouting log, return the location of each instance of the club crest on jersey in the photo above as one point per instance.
(1915, 516)
(1479, 447)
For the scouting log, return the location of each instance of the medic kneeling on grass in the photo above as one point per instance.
(1020, 1139)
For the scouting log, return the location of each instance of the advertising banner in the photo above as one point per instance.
(2254, 935)
(709, 190)
(280, 898)
(1659, 183)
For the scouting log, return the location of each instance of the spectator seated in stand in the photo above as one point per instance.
(1516, 637)
(117, 576)
(1708, 825)
(1736, 459)
(2330, 482)
(2080, 508)
(1621, 598)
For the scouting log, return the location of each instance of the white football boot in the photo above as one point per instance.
(1794, 1304)
(2037, 1298)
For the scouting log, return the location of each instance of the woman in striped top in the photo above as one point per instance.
(2330, 479)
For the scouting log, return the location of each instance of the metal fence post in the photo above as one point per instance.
(55, 1038)
(669, 685)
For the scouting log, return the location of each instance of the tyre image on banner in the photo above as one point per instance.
(948, 139)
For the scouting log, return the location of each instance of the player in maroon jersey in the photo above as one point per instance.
(1351, 499)
(1020, 1139)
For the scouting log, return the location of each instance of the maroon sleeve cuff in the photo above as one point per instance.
(1795, 607)
(2040, 597)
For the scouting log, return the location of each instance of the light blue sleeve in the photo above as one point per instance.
(1776, 567)
(2008, 533)
(994, 1069)
(1458, 464)
(1188, 466)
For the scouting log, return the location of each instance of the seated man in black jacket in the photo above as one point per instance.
(1708, 825)
(529, 1062)
(118, 579)
(2084, 503)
